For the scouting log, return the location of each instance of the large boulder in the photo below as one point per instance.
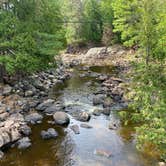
(61, 118)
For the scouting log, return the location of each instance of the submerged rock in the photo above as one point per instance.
(84, 125)
(61, 118)
(49, 134)
(1, 154)
(24, 143)
(75, 128)
(103, 153)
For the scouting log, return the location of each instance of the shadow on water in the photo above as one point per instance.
(78, 150)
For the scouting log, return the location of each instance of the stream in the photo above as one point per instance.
(79, 150)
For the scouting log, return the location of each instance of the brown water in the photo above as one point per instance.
(78, 150)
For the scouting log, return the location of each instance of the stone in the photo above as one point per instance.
(49, 134)
(103, 153)
(1, 154)
(7, 90)
(24, 143)
(61, 118)
(106, 111)
(98, 99)
(25, 130)
(84, 125)
(29, 93)
(75, 129)
(97, 112)
(107, 102)
(47, 103)
(54, 108)
(112, 126)
(15, 135)
(84, 117)
(34, 118)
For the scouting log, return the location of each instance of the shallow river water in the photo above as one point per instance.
(78, 150)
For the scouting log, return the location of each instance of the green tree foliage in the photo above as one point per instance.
(143, 23)
(29, 33)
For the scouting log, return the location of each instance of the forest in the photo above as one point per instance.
(33, 32)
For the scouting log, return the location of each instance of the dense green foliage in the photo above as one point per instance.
(29, 35)
(143, 24)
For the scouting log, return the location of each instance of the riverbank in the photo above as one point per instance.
(74, 94)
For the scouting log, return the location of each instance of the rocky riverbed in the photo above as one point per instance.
(74, 98)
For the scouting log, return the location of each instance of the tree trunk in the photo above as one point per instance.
(2, 73)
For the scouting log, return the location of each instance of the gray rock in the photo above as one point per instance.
(24, 143)
(34, 118)
(98, 99)
(103, 153)
(107, 102)
(29, 93)
(26, 130)
(45, 105)
(97, 112)
(49, 134)
(84, 117)
(61, 118)
(54, 108)
(84, 125)
(7, 90)
(106, 111)
(1, 154)
(75, 129)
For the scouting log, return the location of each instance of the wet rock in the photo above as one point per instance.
(49, 134)
(97, 112)
(7, 90)
(113, 126)
(54, 108)
(84, 125)
(103, 153)
(45, 105)
(25, 130)
(84, 117)
(98, 99)
(75, 128)
(107, 102)
(106, 111)
(103, 77)
(61, 118)
(24, 143)
(1, 154)
(15, 135)
(33, 118)
(29, 93)
(3, 116)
